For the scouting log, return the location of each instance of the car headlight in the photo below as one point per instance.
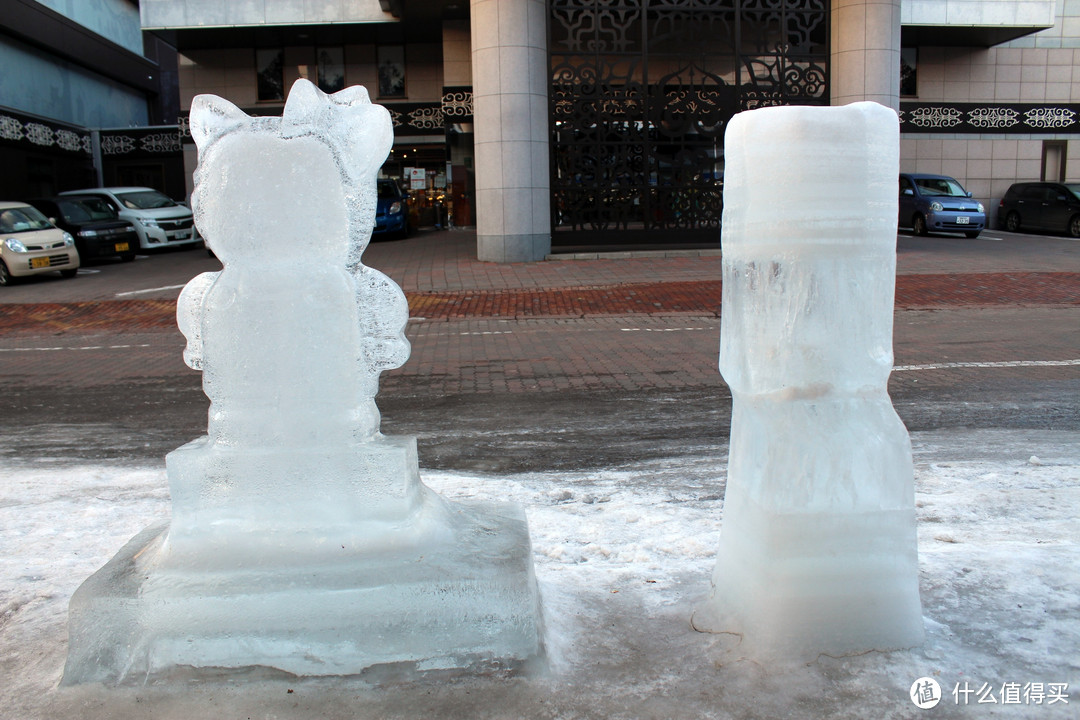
(395, 208)
(88, 233)
(936, 206)
(68, 240)
(15, 245)
(149, 222)
(981, 208)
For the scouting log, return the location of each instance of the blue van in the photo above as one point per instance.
(938, 203)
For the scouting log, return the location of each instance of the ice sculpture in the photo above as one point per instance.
(818, 547)
(301, 538)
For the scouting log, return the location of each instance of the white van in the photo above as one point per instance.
(159, 220)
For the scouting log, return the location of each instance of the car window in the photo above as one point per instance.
(145, 200)
(941, 187)
(98, 208)
(1074, 188)
(22, 219)
(905, 184)
(86, 209)
(388, 190)
(1033, 192)
(73, 212)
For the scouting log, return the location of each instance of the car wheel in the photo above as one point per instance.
(972, 234)
(1074, 226)
(1012, 222)
(69, 273)
(5, 275)
(127, 257)
(919, 225)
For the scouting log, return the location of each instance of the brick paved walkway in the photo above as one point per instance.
(656, 298)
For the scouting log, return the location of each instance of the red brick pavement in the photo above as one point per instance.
(654, 298)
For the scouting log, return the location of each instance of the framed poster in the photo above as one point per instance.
(331, 69)
(390, 60)
(270, 74)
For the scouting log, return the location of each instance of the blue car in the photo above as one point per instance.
(392, 211)
(938, 203)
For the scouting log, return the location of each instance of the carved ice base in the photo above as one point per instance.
(433, 586)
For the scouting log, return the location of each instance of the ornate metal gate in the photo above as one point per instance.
(641, 91)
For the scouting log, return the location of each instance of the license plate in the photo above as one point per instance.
(183, 235)
(39, 262)
(121, 247)
(962, 220)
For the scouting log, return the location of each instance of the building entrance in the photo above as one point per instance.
(641, 92)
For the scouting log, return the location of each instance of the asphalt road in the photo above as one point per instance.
(516, 395)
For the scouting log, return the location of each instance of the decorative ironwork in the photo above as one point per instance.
(641, 93)
(916, 117)
(427, 118)
(19, 129)
(457, 104)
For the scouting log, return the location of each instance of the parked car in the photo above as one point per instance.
(159, 220)
(95, 225)
(1053, 207)
(31, 245)
(938, 203)
(391, 211)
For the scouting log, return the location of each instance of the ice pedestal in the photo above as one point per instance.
(302, 539)
(818, 547)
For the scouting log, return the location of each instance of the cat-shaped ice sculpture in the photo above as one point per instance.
(301, 538)
(313, 325)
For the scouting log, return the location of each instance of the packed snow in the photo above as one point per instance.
(622, 557)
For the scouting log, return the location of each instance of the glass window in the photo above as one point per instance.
(145, 200)
(270, 73)
(86, 209)
(946, 187)
(331, 69)
(909, 58)
(391, 69)
(22, 219)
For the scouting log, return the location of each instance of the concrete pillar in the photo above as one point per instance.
(510, 79)
(866, 52)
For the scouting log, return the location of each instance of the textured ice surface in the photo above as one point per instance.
(301, 538)
(818, 548)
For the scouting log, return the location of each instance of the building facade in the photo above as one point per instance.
(81, 92)
(988, 105)
(556, 125)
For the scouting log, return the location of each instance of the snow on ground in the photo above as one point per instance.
(622, 556)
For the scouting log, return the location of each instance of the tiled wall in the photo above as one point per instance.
(1042, 67)
(457, 53)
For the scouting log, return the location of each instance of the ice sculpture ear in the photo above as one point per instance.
(212, 116)
(370, 139)
(362, 131)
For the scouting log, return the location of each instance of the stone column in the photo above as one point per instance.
(866, 52)
(509, 67)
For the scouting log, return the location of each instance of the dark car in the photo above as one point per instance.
(938, 203)
(95, 225)
(1053, 207)
(392, 211)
